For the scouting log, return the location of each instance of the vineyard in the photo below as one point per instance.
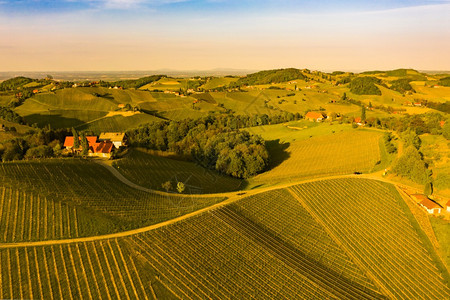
(340, 153)
(81, 194)
(335, 239)
(372, 222)
(152, 171)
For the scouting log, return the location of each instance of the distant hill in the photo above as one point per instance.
(14, 83)
(271, 76)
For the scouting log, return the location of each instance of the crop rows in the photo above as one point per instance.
(278, 212)
(223, 254)
(342, 153)
(76, 271)
(151, 171)
(368, 220)
(25, 216)
(92, 187)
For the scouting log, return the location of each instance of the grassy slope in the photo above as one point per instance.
(441, 228)
(152, 171)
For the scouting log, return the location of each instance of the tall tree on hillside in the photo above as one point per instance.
(84, 144)
(363, 113)
(76, 139)
(428, 190)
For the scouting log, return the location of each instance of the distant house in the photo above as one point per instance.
(430, 206)
(35, 91)
(358, 121)
(442, 123)
(117, 138)
(121, 105)
(96, 148)
(448, 206)
(314, 116)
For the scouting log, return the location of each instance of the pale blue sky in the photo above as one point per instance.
(147, 35)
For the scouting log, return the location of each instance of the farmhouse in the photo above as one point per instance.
(117, 138)
(96, 148)
(314, 116)
(430, 206)
(448, 206)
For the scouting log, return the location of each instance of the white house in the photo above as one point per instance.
(117, 138)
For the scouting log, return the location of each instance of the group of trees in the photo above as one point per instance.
(36, 143)
(269, 76)
(365, 86)
(402, 85)
(209, 141)
(132, 83)
(10, 115)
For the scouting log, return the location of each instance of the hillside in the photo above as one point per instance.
(285, 243)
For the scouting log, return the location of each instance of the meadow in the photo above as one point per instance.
(337, 153)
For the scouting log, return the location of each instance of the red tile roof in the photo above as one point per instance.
(314, 115)
(69, 141)
(103, 147)
(429, 204)
(448, 203)
(357, 120)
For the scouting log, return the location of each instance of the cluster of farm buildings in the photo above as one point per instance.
(430, 206)
(100, 146)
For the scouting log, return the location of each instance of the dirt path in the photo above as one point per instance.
(231, 197)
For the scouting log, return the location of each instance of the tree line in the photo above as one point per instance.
(209, 141)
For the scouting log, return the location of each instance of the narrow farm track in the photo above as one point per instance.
(231, 197)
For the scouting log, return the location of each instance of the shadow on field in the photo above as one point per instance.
(277, 152)
(55, 121)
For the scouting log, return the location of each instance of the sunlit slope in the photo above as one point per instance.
(334, 239)
(71, 198)
(332, 154)
(374, 225)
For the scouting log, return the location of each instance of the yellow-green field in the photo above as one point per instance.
(301, 156)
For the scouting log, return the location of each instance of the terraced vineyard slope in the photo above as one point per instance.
(347, 238)
(374, 225)
(71, 198)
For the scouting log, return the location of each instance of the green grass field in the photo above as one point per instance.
(338, 153)
(152, 171)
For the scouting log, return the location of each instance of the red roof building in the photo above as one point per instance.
(430, 206)
(314, 116)
(448, 206)
(101, 148)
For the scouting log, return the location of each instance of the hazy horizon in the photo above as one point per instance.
(114, 35)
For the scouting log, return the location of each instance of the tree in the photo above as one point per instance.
(84, 144)
(446, 130)
(428, 190)
(363, 113)
(180, 187)
(167, 186)
(76, 139)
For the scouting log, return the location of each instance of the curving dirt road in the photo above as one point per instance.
(231, 197)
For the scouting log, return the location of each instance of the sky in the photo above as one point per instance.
(122, 35)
